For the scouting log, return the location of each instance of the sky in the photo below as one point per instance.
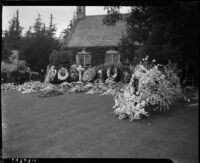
(62, 15)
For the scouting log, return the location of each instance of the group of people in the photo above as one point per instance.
(19, 77)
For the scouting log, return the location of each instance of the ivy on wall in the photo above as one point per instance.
(97, 53)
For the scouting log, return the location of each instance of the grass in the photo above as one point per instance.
(80, 125)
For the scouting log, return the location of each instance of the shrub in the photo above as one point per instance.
(8, 66)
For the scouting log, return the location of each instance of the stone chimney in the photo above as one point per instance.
(80, 12)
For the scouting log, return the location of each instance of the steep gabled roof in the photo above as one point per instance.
(91, 31)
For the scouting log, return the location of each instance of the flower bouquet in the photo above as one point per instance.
(65, 86)
(29, 87)
(7, 86)
(73, 74)
(89, 74)
(50, 93)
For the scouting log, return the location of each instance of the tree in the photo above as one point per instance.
(38, 44)
(12, 37)
(37, 26)
(52, 27)
(166, 32)
(66, 32)
(28, 33)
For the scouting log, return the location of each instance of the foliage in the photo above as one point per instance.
(149, 86)
(66, 32)
(8, 66)
(61, 58)
(113, 15)
(168, 31)
(98, 54)
(126, 74)
(12, 38)
(52, 27)
(34, 47)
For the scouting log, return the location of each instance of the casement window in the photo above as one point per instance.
(83, 58)
(112, 56)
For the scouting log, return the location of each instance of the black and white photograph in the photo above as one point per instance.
(100, 81)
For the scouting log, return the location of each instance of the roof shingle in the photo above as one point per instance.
(92, 32)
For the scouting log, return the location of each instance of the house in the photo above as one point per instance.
(93, 42)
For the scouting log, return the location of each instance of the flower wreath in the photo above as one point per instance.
(115, 73)
(62, 71)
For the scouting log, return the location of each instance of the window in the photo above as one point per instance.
(112, 58)
(84, 60)
(87, 61)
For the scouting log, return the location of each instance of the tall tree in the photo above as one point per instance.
(38, 45)
(37, 26)
(167, 32)
(12, 37)
(52, 27)
(66, 31)
(28, 33)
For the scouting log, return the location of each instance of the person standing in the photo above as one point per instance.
(42, 74)
(29, 74)
(26, 76)
(4, 76)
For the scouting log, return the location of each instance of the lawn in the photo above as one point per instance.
(80, 125)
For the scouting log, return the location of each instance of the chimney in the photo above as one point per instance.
(80, 12)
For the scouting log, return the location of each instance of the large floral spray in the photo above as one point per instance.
(149, 88)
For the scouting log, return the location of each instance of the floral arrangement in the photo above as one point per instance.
(98, 88)
(110, 81)
(126, 75)
(51, 73)
(46, 87)
(148, 87)
(73, 73)
(7, 86)
(29, 87)
(89, 74)
(112, 72)
(80, 87)
(65, 86)
(151, 87)
(49, 93)
(63, 73)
